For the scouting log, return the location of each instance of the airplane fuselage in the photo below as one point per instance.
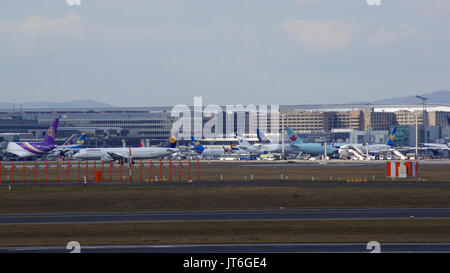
(28, 149)
(134, 153)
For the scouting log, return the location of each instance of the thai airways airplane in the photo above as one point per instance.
(130, 153)
(32, 149)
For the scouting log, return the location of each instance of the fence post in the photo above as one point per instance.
(189, 169)
(120, 169)
(79, 171)
(198, 169)
(160, 168)
(179, 169)
(23, 172)
(103, 171)
(87, 171)
(12, 172)
(57, 171)
(151, 165)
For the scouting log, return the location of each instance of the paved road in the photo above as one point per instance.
(243, 248)
(224, 215)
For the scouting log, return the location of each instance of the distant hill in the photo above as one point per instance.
(442, 97)
(45, 104)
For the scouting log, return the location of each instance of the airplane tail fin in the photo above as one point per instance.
(141, 144)
(391, 138)
(70, 140)
(242, 141)
(198, 147)
(261, 137)
(233, 147)
(293, 138)
(171, 142)
(81, 140)
(49, 138)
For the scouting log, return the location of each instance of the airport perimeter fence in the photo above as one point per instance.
(34, 172)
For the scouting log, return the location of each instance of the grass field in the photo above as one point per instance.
(165, 197)
(329, 231)
(328, 190)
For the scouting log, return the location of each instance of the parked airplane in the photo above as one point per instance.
(130, 153)
(361, 150)
(69, 147)
(309, 148)
(32, 149)
(205, 151)
(246, 146)
(266, 146)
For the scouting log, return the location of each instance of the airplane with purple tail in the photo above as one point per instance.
(32, 149)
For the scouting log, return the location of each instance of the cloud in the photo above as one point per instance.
(384, 37)
(35, 26)
(320, 34)
(72, 27)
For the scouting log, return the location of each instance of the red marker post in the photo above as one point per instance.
(189, 169)
(160, 169)
(130, 167)
(57, 171)
(120, 169)
(87, 170)
(179, 169)
(103, 171)
(151, 164)
(198, 169)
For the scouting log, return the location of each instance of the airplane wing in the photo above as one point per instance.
(117, 156)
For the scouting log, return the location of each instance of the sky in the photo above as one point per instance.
(163, 53)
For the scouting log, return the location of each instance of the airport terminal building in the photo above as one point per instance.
(128, 126)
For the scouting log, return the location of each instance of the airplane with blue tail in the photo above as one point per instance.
(205, 151)
(359, 149)
(70, 146)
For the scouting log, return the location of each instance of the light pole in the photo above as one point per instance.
(417, 139)
(282, 137)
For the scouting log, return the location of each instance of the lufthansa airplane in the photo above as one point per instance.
(130, 153)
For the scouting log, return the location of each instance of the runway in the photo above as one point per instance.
(244, 248)
(223, 215)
